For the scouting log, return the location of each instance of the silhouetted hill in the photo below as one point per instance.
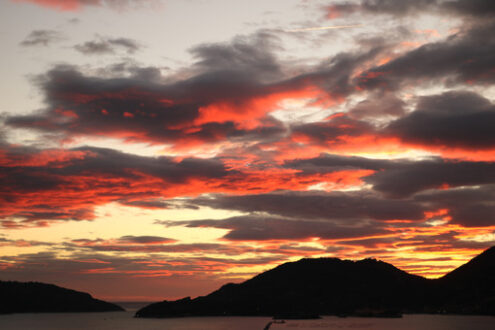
(35, 297)
(330, 286)
(470, 289)
(307, 287)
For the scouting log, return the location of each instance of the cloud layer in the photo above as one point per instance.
(381, 147)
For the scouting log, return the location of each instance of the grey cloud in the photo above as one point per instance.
(147, 203)
(422, 175)
(259, 227)
(333, 130)
(152, 107)
(326, 163)
(378, 105)
(402, 177)
(463, 8)
(114, 164)
(145, 239)
(107, 46)
(41, 38)
(466, 57)
(118, 163)
(453, 119)
(468, 188)
(243, 54)
(155, 110)
(468, 206)
(161, 248)
(373, 7)
(113, 175)
(340, 207)
(474, 8)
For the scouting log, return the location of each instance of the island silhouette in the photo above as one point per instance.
(330, 286)
(36, 297)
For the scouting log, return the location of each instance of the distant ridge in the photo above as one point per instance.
(330, 286)
(470, 289)
(35, 297)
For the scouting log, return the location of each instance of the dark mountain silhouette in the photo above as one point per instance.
(470, 289)
(35, 297)
(330, 286)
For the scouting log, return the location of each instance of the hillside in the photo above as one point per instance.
(330, 286)
(35, 297)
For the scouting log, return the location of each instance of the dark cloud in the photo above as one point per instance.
(447, 240)
(123, 245)
(68, 184)
(146, 110)
(335, 130)
(146, 244)
(250, 55)
(474, 8)
(468, 206)
(145, 239)
(399, 8)
(227, 88)
(334, 75)
(402, 177)
(463, 8)
(414, 177)
(462, 58)
(259, 227)
(41, 38)
(455, 119)
(108, 46)
(112, 163)
(331, 162)
(340, 207)
(463, 188)
(378, 105)
(20, 243)
(150, 203)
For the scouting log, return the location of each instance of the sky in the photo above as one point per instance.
(157, 149)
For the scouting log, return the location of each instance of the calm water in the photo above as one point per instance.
(125, 321)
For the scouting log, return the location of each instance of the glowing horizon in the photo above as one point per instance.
(170, 164)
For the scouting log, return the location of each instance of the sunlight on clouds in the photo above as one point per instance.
(396, 154)
(7, 251)
(488, 237)
(115, 220)
(141, 149)
(332, 186)
(301, 110)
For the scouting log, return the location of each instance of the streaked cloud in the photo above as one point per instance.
(107, 46)
(41, 38)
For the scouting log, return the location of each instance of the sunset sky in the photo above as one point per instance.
(156, 149)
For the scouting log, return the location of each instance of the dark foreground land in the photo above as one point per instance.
(330, 286)
(34, 297)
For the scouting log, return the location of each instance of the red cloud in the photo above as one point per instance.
(247, 112)
(43, 186)
(63, 5)
(74, 5)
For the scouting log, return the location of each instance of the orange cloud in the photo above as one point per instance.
(63, 5)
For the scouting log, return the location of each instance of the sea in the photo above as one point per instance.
(126, 321)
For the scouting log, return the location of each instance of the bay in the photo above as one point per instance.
(126, 321)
